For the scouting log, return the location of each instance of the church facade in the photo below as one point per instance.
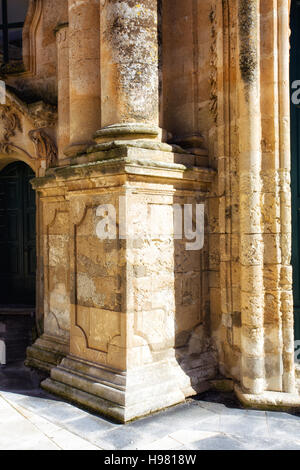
(148, 197)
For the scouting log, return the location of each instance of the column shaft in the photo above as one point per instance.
(251, 243)
(285, 196)
(84, 58)
(62, 41)
(129, 68)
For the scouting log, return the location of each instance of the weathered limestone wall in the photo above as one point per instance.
(251, 306)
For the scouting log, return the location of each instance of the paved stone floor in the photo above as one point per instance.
(31, 419)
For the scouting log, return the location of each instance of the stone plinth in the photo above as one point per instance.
(139, 336)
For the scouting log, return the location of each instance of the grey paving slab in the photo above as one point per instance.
(89, 426)
(33, 403)
(62, 412)
(218, 443)
(32, 419)
(189, 413)
(211, 423)
(282, 416)
(121, 438)
(244, 426)
(215, 408)
(284, 429)
(268, 444)
(155, 428)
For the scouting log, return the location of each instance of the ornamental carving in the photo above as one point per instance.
(42, 114)
(45, 146)
(9, 124)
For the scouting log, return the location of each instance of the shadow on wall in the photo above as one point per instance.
(193, 346)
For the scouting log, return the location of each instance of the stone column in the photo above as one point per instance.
(84, 74)
(129, 70)
(267, 346)
(270, 196)
(285, 197)
(251, 240)
(62, 41)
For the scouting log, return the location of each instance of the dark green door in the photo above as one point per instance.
(17, 236)
(295, 141)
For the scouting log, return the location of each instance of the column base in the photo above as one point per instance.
(130, 131)
(46, 353)
(77, 149)
(273, 401)
(123, 396)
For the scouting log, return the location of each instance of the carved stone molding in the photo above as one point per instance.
(32, 21)
(213, 105)
(44, 145)
(9, 124)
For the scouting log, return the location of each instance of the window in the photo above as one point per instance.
(12, 17)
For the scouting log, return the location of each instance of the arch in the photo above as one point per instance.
(6, 160)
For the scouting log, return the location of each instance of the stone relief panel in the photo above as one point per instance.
(57, 274)
(96, 282)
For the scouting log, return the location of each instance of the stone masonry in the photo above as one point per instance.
(146, 106)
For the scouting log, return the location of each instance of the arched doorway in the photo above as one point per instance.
(17, 236)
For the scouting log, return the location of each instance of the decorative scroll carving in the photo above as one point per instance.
(45, 146)
(10, 124)
(42, 114)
